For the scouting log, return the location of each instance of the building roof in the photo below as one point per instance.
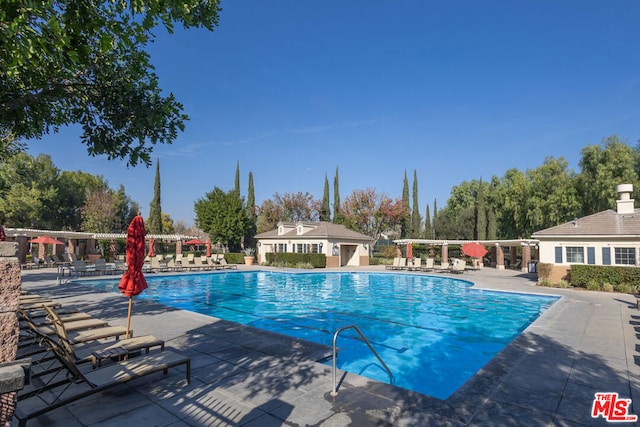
(32, 232)
(320, 229)
(605, 223)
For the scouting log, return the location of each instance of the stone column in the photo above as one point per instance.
(499, 258)
(444, 259)
(10, 283)
(526, 257)
(178, 247)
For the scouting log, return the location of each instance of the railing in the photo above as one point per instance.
(334, 390)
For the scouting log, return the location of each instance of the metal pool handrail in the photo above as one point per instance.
(334, 391)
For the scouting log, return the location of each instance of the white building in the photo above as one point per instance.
(342, 246)
(611, 237)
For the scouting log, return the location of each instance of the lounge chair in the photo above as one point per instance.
(101, 266)
(415, 264)
(395, 265)
(80, 268)
(158, 264)
(457, 266)
(429, 265)
(202, 263)
(101, 351)
(36, 401)
(226, 266)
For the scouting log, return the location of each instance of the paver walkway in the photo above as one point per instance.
(585, 343)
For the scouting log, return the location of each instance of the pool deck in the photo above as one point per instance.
(587, 342)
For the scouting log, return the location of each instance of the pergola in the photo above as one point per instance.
(496, 248)
(23, 235)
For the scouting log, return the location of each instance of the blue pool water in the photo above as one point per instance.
(433, 332)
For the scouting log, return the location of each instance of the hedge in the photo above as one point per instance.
(583, 275)
(287, 258)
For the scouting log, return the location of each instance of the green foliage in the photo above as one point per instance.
(154, 224)
(592, 276)
(371, 213)
(416, 230)
(405, 220)
(481, 213)
(325, 208)
(562, 284)
(234, 257)
(607, 287)
(546, 282)
(222, 216)
(337, 215)
(252, 223)
(84, 62)
(288, 259)
(289, 207)
(594, 285)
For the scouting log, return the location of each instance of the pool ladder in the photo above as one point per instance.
(334, 390)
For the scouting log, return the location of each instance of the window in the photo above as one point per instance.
(300, 248)
(314, 248)
(575, 255)
(282, 247)
(625, 256)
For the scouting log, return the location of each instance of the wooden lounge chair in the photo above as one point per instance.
(395, 265)
(415, 264)
(226, 266)
(36, 401)
(100, 351)
(457, 266)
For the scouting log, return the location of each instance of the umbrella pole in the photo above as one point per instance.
(129, 316)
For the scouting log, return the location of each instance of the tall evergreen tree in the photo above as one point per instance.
(405, 224)
(325, 208)
(338, 218)
(434, 218)
(481, 214)
(154, 223)
(428, 230)
(252, 220)
(416, 230)
(236, 182)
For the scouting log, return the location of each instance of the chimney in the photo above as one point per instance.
(625, 202)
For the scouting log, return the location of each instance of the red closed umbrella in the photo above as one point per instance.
(152, 248)
(133, 282)
(208, 254)
(409, 250)
(475, 250)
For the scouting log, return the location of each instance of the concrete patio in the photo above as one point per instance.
(587, 342)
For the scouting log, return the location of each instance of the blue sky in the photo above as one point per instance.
(455, 90)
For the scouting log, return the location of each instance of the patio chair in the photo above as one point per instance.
(158, 264)
(415, 264)
(457, 266)
(96, 352)
(226, 266)
(429, 265)
(36, 401)
(80, 268)
(395, 265)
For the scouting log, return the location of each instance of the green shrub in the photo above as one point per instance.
(625, 288)
(544, 270)
(304, 265)
(287, 259)
(593, 285)
(234, 257)
(607, 287)
(546, 282)
(582, 275)
(562, 284)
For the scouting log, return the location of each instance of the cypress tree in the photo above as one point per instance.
(252, 224)
(492, 224)
(154, 223)
(236, 183)
(415, 216)
(428, 231)
(405, 225)
(481, 214)
(325, 209)
(435, 217)
(337, 215)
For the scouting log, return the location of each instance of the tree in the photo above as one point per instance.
(222, 216)
(481, 213)
(167, 224)
(65, 62)
(511, 197)
(416, 230)
(288, 207)
(428, 229)
(603, 167)
(405, 224)
(99, 213)
(269, 216)
(492, 225)
(372, 213)
(236, 181)
(250, 210)
(435, 217)
(338, 218)
(325, 209)
(154, 222)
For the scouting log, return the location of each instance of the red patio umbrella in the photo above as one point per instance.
(208, 254)
(133, 281)
(475, 250)
(194, 242)
(152, 248)
(409, 250)
(46, 240)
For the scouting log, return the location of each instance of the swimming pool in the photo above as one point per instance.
(433, 332)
